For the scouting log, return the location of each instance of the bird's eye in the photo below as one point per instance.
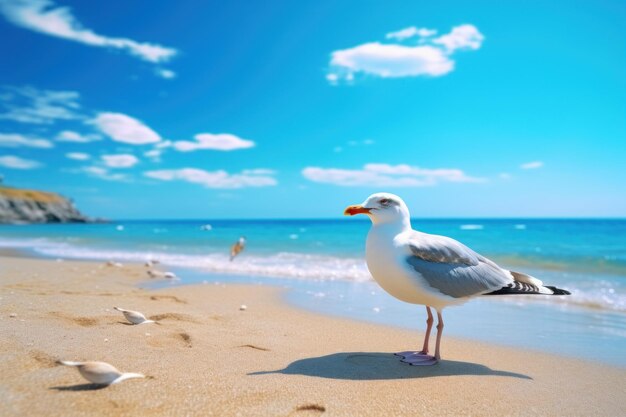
(385, 201)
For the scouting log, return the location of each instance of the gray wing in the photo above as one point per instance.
(452, 268)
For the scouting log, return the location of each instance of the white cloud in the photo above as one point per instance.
(389, 60)
(44, 17)
(15, 162)
(30, 105)
(126, 129)
(219, 142)
(461, 37)
(14, 140)
(258, 171)
(120, 160)
(411, 32)
(78, 156)
(102, 173)
(505, 176)
(165, 73)
(384, 175)
(216, 179)
(532, 165)
(71, 136)
(154, 155)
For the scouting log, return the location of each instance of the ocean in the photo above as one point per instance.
(321, 264)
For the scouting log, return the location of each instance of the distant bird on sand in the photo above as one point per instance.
(237, 247)
(101, 372)
(135, 317)
(435, 271)
(154, 273)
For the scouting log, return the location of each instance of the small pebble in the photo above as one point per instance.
(243, 307)
(13, 315)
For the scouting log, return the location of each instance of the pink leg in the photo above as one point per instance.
(439, 332)
(413, 356)
(429, 326)
(427, 359)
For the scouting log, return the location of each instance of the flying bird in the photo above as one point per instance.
(135, 317)
(237, 247)
(431, 270)
(101, 373)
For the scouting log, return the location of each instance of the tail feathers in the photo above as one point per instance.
(558, 291)
(517, 287)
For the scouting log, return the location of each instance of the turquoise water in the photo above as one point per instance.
(322, 262)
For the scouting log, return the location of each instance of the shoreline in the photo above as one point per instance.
(206, 357)
(568, 332)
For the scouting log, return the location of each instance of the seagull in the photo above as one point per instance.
(101, 373)
(237, 247)
(431, 270)
(134, 317)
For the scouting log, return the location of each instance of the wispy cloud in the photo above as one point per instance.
(165, 73)
(218, 142)
(353, 143)
(100, 172)
(120, 160)
(216, 179)
(15, 162)
(411, 32)
(15, 140)
(126, 129)
(385, 175)
(71, 136)
(532, 165)
(45, 17)
(433, 57)
(461, 37)
(78, 156)
(30, 105)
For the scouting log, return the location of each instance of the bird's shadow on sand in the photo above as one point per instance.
(378, 365)
(79, 387)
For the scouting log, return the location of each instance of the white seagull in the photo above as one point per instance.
(431, 270)
(101, 373)
(135, 317)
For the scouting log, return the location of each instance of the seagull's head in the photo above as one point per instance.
(381, 208)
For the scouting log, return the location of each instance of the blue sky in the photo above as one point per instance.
(297, 109)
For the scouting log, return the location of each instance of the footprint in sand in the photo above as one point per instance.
(168, 298)
(174, 317)
(308, 410)
(185, 337)
(81, 321)
(255, 347)
(43, 358)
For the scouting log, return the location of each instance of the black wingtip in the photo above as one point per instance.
(558, 291)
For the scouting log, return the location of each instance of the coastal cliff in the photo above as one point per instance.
(30, 206)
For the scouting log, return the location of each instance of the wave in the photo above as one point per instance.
(281, 264)
(471, 227)
(604, 294)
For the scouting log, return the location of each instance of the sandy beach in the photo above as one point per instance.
(206, 357)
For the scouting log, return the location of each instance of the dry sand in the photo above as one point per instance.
(206, 357)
